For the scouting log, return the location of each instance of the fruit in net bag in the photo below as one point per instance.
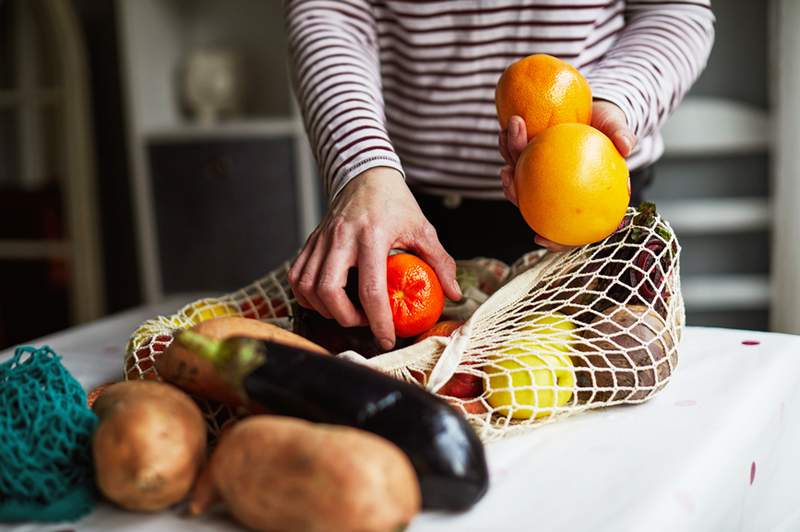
(531, 376)
(544, 91)
(207, 309)
(572, 185)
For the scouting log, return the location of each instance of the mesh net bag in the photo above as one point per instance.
(45, 440)
(549, 336)
(268, 299)
(593, 327)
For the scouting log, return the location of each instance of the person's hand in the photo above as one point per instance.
(373, 214)
(606, 117)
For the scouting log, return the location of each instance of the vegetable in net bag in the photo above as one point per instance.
(550, 336)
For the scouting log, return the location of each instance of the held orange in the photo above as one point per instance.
(544, 91)
(572, 185)
(415, 294)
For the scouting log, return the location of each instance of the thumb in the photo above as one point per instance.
(431, 251)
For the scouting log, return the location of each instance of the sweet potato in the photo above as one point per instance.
(280, 473)
(196, 375)
(148, 446)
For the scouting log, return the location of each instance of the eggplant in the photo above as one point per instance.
(329, 334)
(446, 453)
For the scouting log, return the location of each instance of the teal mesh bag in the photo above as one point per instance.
(45, 440)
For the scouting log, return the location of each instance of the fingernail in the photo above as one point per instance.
(386, 344)
(514, 128)
(457, 289)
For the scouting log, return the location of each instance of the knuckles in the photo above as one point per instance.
(370, 291)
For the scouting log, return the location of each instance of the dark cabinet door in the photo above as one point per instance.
(226, 211)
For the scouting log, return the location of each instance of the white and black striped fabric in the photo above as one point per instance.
(409, 84)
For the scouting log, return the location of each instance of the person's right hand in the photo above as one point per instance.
(373, 214)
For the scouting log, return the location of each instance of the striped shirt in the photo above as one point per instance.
(409, 84)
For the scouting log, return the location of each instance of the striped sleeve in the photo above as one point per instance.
(655, 60)
(336, 75)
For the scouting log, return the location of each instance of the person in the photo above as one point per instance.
(397, 98)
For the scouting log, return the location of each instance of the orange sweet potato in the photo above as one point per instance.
(148, 446)
(280, 473)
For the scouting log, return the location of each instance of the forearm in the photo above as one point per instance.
(656, 59)
(336, 76)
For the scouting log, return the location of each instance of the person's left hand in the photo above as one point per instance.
(606, 117)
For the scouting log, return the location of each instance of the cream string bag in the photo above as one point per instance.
(563, 332)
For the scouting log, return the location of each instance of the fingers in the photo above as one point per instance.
(502, 143)
(509, 187)
(308, 279)
(297, 268)
(372, 291)
(550, 245)
(611, 120)
(623, 140)
(517, 137)
(332, 280)
(427, 246)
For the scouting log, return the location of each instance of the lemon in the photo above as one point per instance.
(206, 309)
(553, 332)
(531, 375)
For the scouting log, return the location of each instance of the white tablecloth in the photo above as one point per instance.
(719, 449)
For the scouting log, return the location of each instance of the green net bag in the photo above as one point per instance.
(45, 440)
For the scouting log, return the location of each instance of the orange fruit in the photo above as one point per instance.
(443, 328)
(415, 294)
(544, 91)
(572, 185)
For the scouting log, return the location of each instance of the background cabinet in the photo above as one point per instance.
(50, 264)
(226, 210)
(259, 162)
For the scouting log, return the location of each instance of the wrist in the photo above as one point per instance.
(377, 178)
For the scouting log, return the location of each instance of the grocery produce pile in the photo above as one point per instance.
(312, 426)
(550, 336)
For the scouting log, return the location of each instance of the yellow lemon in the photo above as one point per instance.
(550, 333)
(206, 309)
(533, 373)
(523, 386)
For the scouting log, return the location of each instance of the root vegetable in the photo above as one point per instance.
(627, 347)
(148, 446)
(196, 375)
(277, 473)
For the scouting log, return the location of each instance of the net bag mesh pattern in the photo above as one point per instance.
(45, 440)
(269, 298)
(552, 335)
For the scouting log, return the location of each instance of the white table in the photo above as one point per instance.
(719, 449)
